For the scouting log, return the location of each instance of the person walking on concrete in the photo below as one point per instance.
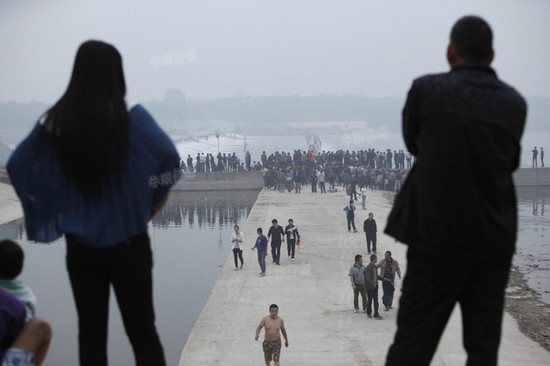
(535, 156)
(292, 235)
(261, 246)
(388, 268)
(276, 234)
(473, 122)
(237, 246)
(371, 284)
(541, 157)
(274, 327)
(357, 278)
(369, 227)
(350, 215)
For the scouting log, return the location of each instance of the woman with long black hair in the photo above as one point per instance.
(97, 171)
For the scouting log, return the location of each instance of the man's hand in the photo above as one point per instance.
(286, 344)
(257, 337)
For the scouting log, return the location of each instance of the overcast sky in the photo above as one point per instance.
(211, 49)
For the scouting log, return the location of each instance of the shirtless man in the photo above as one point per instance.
(273, 327)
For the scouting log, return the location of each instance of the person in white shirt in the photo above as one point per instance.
(237, 247)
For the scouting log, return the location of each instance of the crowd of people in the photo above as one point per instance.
(352, 171)
(369, 158)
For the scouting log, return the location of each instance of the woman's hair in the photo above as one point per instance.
(90, 122)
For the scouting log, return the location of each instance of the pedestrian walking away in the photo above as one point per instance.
(371, 285)
(473, 122)
(276, 234)
(369, 227)
(388, 268)
(292, 235)
(357, 278)
(274, 326)
(237, 239)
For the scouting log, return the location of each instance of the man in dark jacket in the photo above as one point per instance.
(461, 232)
(276, 234)
(369, 227)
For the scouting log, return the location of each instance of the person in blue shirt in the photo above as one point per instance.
(97, 171)
(261, 246)
(350, 215)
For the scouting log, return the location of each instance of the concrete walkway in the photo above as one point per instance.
(315, 297)
(10, 206)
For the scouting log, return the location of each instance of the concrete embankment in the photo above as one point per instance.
(220, 181)
(315, 297)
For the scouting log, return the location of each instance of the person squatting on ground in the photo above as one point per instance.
(473, 121)
(292, 235)
(369, 227)
(21, 343)
(388, 268)
(276, 234)
(109, 170)
(274, 326)
(237, 247)
(371, 285)
(11, 266)
(357, 278)
(350, 216)
(24, 338)
(261, 246)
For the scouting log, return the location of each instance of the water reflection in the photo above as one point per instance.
(533, 244)
(205, 209)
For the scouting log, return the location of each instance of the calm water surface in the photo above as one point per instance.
(191, 243)
(533, 246)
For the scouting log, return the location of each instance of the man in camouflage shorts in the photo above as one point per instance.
(274, 326)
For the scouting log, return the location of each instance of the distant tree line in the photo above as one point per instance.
(177, 108)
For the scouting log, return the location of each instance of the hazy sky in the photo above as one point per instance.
(211, 49)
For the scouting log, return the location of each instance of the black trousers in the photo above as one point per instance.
(276, 251)
(126, 266)
(372, 295)
(371, 239)
(431, 288)
(291, 247)
(238, 253)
